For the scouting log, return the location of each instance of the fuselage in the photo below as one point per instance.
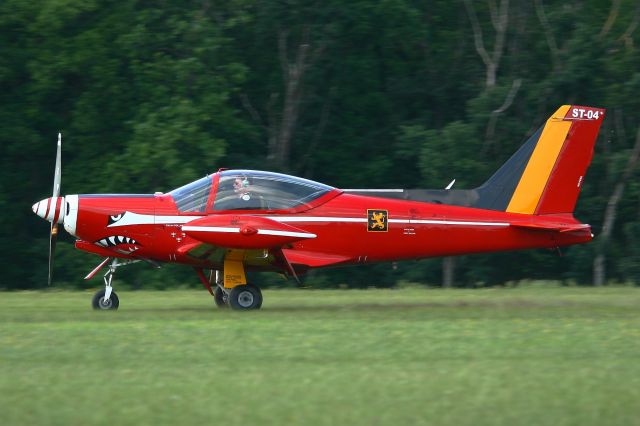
(150, 227)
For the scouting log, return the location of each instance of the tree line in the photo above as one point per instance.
(384, 94)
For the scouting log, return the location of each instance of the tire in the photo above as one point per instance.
(220, 298)
(245, 297)
(99, 304)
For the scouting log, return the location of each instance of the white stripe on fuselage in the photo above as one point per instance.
(210, 229)
(237, 230)
(129, 218)
(447, 222)
(311, 219)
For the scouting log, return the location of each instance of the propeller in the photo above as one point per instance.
(53, 208)
(55, 201)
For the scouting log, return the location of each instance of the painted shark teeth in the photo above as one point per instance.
(114, 240)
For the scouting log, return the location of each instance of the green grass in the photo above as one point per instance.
(525, 356)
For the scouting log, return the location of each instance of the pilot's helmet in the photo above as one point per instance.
(240, 182)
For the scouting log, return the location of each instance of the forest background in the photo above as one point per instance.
(150, 95)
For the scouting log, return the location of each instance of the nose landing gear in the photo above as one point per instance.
(100, 302)
(107, 299)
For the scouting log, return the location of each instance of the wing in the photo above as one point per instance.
(266, 243)
(244, 232)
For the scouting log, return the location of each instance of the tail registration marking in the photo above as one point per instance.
(585, 114)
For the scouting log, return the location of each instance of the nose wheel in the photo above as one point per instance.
(99, 302)
(107, 299)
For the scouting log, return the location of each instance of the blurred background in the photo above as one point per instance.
(150, 95)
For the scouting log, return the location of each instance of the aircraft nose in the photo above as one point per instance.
(49, 209)
(40, 208)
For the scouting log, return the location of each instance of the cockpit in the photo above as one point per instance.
(248, 190)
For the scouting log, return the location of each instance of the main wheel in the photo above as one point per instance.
(221, 298)
(99, 303)
(245, 297)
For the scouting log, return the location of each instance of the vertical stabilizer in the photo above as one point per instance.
(547, 172)
(543, 176)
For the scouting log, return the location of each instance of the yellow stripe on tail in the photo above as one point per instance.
(536, 174)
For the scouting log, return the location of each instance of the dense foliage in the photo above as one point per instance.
(391, 93)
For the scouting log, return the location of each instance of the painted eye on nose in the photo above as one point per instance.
(115, 218)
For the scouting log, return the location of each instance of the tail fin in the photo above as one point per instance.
(545, 175)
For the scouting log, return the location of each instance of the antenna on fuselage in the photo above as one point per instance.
(450, 185)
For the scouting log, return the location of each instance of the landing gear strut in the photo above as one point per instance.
(220, 294)
(221, 298)
(107, 299)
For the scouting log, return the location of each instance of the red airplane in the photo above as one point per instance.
(238, 220)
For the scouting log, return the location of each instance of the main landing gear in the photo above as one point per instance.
(220, 297)
(242, 297)
(246, 296)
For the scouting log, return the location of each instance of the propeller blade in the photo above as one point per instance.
(57, 178)
(53, 236)
(58, 173)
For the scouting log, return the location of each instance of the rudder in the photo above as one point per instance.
(565, 182)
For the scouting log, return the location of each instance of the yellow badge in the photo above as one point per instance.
(377, 220)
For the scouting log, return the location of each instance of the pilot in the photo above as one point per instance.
(244, 196)
(241, 188)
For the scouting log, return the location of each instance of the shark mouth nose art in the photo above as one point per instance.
(115, 240)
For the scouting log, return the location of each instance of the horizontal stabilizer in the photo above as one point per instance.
(567, 227)
(244, 232)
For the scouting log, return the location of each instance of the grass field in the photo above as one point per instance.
(524, 356)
